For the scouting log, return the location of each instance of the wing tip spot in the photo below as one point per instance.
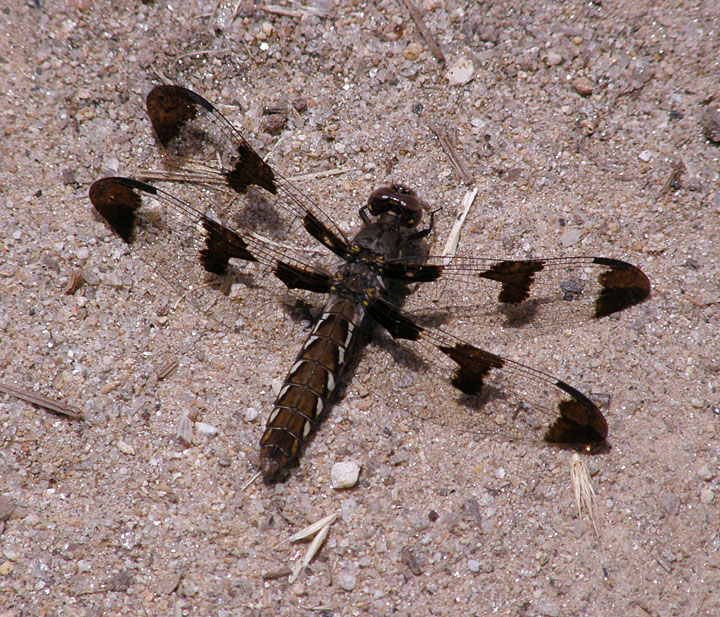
(622, 286)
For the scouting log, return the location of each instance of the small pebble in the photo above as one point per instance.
(274, 123)
(411, 561)
(473, 565)
(121, 581)
(553, 58)
(671, 503)
(705, 474)
(488, 34)
(68, 175)
(347, 580)
(187, 589)
(461, 72)
(297, 589)
(645, 155)
(7, 506)
(548, 608)
(344, 475)
(570, 237)
(583, 86)
(125, 448)
(710, 121)
(11, 554)
(706, 495)
(205, 429)
(412, 51)
(251, 414)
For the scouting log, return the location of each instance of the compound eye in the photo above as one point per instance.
(379, 201)
(402, 190)
(411, 212)
(399, 200)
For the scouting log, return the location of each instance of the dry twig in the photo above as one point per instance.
(677, 169)
(277, 9)
(41, 401)
(431, 43)
(452, 154)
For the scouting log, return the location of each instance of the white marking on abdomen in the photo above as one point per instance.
(283, 392)
(350, 328)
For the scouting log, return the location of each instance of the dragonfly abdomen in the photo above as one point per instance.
(310, 384)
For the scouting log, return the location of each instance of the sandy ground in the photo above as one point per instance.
(113, 515)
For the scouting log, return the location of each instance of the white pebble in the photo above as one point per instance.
(705, 474)
(645, 155)
(206, 429)
(251, 414)
(706, 495)
(347, 580)
(344, 475)
(125, 448)
(461, 72)
(553, 58)
(570, 237)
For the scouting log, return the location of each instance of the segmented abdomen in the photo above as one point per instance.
(310, 384)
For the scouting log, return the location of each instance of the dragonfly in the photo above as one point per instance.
(245, 217)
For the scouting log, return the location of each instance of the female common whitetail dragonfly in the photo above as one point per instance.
(376, 268)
